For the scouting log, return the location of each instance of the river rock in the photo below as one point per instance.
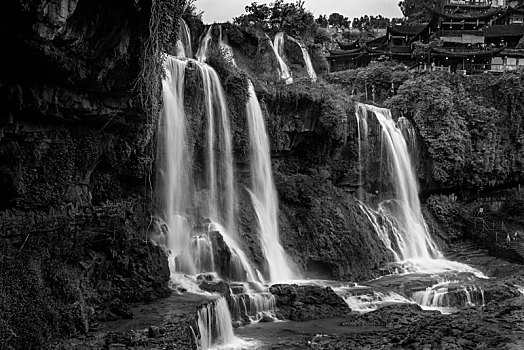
(304, 303)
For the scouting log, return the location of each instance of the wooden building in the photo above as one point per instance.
(463, 36)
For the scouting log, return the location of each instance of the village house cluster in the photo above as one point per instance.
(462, 36)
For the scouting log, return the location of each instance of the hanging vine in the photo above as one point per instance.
(163, 33)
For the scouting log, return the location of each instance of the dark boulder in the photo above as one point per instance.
(304, 303)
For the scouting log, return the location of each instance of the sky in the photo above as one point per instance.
(225, 10)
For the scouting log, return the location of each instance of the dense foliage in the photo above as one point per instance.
(371, 22)
(279, 16)
(470, 126)
(382, 78)
(449, 214)
(417, 11)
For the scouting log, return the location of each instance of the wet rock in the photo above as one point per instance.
(220, 287)
(303, 303)
(153, 332)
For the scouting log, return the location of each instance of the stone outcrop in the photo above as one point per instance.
(304, 303)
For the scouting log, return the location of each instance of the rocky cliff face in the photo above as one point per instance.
(75, 162)
(312, 133)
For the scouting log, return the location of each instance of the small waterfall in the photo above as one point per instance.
(278, 47)
(408, 131)
(448, 296)
(362, 300)
(226, 49)
(203, 48)
(307, 59)
(362, 139)
(240, 261)
(184, 43)
(253, 307)
(383, 228)
(214, 324)
(263, 192)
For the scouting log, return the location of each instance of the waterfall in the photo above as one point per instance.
(214, 324)
(184, 43)
(226, 49)
(263, 192)
(401, 226)
(450, 295)
(410, 135)
(414, 241)
(191, 252)
(382, 229)
(203, 48)
(362, 139)
(307, 59)
(278, 48)
(219, 151)
(174, 157)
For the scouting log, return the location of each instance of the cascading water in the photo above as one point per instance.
(264, 193)
(226, 49)
(448, 296)
(415, 241)
(278, 47)
(174, 159)
(408, 234)
(203, 48)
(307, 59)
(192, 252)
(408, 131)
(214, 324)
(362, 138)
(184, 48)
(219, 152)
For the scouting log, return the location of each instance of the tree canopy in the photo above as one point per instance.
(418, 11)
(291, 18)
(337, 20)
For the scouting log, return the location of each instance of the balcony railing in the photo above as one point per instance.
(467, 2)
(459, 33)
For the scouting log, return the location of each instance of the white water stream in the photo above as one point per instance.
(307, 59)
(278, 48)
(404, 224)
(264, 194)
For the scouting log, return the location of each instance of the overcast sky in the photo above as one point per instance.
(225, 10)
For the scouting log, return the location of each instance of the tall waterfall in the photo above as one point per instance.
(174, 157)
(278, 48)
(192, 251)
(362, 138)
(307, 59)
(219, 151)
(263, 192)
(401, 217)
(415, 241)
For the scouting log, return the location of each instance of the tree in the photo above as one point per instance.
(322, 21)
(418, 11)
(338, 20)
(291, 18)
